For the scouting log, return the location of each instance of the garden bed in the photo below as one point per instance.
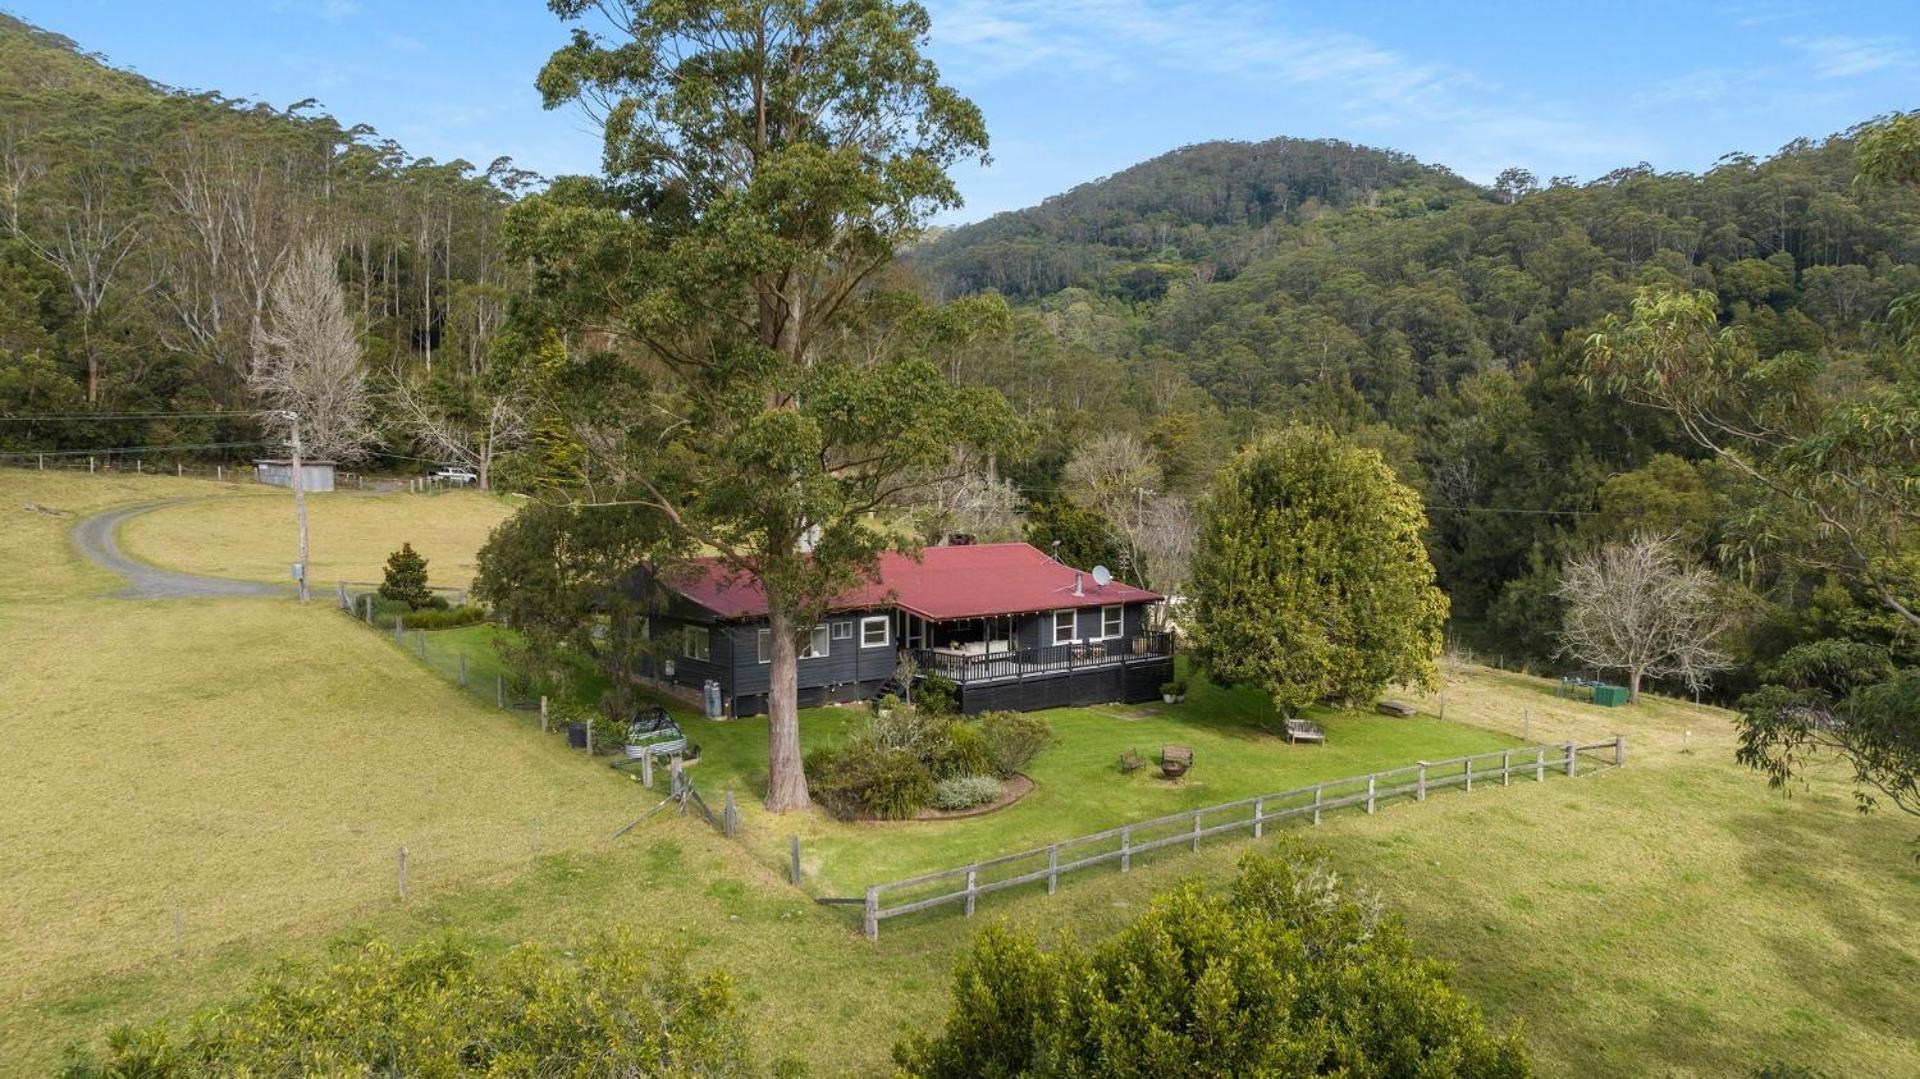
(1011, 791)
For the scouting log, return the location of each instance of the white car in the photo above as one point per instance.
(454, 475)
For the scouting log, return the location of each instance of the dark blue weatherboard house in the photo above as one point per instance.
(1012, 628)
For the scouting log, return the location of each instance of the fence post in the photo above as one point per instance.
(793, 877)
(345, 603)
(1420, 785)
(730, 816)
(676, 772)
(1316, 803)
(369, 608)
(646, 780)
(43, 462)
(971, 873)
(871, 924)
(1126, 849)
(1540, 764)
(179, 470)
(1468, 759)
(1526, 724)
(1619, 749)
(400, 630)
(401, 873)
(1369, 794)
(219, 472)
(420, 637)
(500, 700)
(463, 670)
(543, 713)
(1570, 758)
(1053, 868)
(1196, 830)
(1506, 768)
(1259, 816)
(89, 464)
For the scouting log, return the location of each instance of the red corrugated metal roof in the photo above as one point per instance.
(945, 583)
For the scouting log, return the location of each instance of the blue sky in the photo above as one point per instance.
(1077, 89)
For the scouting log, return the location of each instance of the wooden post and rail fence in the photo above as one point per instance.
(964, 885)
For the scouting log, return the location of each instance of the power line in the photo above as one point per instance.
(128, 416)
(125, 450)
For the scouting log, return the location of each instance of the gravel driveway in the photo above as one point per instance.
(97, 538)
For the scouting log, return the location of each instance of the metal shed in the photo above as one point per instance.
(278, 471)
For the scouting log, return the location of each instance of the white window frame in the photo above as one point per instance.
(886, 631)
(1118, 613)
(820, 638)
(1073, 626)
(843, 630)
(763, 645)
(704, 653)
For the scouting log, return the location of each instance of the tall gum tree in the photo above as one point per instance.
(763, 163)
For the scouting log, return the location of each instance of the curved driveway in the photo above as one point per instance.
(97, 537)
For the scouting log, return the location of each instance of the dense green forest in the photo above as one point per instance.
(1224, 288)
(141, 228)
(1169, 312)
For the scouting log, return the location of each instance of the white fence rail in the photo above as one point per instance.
(1188, 828)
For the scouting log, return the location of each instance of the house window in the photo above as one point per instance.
(817, 646)
(1112, 621)
(873, 631)
(843, 631)
(699, 644)
(764, 642)
(1063, 626)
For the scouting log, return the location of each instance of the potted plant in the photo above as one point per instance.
(1173, 692)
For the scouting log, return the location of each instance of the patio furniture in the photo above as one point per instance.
(1175, 761)
(1299, 730)
(1131, 761)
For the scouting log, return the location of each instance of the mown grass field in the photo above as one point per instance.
(1671, 917)
(351, 534)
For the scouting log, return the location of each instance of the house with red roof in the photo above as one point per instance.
(1012, 627)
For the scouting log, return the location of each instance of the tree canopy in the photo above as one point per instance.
(1310, 579)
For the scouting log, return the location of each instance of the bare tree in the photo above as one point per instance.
(486, 420)
(1169, 534)
(968, 498)
(306, 356)
(1635, 606)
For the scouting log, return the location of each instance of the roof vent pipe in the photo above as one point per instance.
(1079, 589)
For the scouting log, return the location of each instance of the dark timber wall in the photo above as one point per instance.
(1132, 683)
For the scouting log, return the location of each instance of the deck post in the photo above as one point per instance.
(1571, 758)
(1126, 849)
(870, 924)
(972, 874)
(1540, 765)
(1619, 749)
(1053, 868)
(1420, 785)
(1316, 803)
(1196, 830)
(1259, 816)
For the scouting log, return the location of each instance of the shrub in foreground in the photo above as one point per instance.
(437, 1009)
(1282, 973)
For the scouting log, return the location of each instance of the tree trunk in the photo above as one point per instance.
(787, 778)
(1633, 685)
(485, 478)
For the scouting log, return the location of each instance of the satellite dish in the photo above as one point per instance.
(1102, 576)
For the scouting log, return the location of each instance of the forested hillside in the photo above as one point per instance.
(1221, 289)
(141, 228)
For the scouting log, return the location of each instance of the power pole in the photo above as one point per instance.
(300, 504)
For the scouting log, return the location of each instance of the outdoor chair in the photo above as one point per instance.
(1175, 761)
(1131, 761)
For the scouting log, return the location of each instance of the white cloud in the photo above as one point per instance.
(1838, 57)
(1375, 87)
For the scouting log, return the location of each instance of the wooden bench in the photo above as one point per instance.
(1299, 730)
(1175, 761)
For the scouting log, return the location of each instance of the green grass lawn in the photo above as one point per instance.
(256, 763)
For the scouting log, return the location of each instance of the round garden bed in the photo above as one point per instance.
(1011, 791)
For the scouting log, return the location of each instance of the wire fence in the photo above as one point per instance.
(964, 885)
